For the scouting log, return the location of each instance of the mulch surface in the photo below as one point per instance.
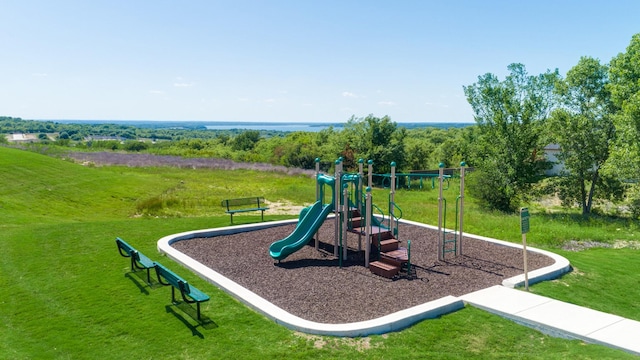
(311, 284)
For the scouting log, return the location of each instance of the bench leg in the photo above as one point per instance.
(198, 307)
(173, 295)
(262, 215)
(231, 218)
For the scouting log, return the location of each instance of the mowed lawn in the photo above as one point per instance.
(66, 293)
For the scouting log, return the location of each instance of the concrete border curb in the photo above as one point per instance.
(388, 323)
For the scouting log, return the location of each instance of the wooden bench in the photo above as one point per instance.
(189, 293)
(233, 206)
(138, 260)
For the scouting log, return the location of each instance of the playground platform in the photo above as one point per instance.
(549, 316)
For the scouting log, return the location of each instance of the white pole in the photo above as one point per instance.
(367, 233)
(345, 209)
(318, 199)
(392, 196)
(336, 205)
(440, 237)
(460, 231)
(526, 271)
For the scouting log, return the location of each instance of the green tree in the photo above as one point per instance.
(624, 73)
(246, 140)
(583, 128)
(510, 115)
(377, 139)
(135, 145)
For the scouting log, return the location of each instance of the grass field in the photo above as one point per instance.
(66, 293)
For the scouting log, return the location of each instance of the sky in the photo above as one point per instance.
(286, 61)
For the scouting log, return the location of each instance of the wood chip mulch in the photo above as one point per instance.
(311, 284)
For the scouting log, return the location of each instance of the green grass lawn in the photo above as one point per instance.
(66, 293)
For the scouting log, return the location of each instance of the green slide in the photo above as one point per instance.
(308, 225)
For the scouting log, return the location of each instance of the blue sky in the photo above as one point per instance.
(289, 61)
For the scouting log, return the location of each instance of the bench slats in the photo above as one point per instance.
(189, 293)
(138, 260)
(233, 206)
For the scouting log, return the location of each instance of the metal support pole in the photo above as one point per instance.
(392, 200)
(440, 214)
(318, 198)
(367, 232)
(460, 231)
(336, 205)
(370, 175)
(345, 219)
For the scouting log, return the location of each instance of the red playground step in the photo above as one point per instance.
(383, 269)
(396, 257)
(388, 245)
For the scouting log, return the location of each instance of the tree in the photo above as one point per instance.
(624, 73)
(246, 140)
(369, 138)
(510, 115)
(583, 128)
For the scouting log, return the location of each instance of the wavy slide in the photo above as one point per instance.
(310, 222)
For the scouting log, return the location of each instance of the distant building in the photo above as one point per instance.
(551, 152)
(19, 137)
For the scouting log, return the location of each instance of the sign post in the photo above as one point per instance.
(524, 229)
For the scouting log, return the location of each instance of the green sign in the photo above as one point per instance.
(524, 220)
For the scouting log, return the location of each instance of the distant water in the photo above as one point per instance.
(270, 126)
(314, 127)
(288, 127)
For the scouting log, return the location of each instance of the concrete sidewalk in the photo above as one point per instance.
(558, 318)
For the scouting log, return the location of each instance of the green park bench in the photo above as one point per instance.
(189, 293)
(233, 206)
(138, 260)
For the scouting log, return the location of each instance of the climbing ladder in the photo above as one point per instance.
(449, 241)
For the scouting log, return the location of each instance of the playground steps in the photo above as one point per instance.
(383, 269)
(388, 245)
(357, 223)
(398, 257)
(392, 257)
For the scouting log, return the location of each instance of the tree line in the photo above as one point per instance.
(593, 114)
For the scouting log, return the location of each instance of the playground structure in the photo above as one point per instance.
(353, 210)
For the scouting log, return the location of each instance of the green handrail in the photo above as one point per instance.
(396, 230)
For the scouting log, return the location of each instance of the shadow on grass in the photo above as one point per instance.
(204, 322)
(139, 278)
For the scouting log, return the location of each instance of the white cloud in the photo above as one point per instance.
(183, 84)
(437, 104)
(387, 103)
(156, 92)
(270, 101)
(349, 94)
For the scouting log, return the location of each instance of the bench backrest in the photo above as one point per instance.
(124, 247)
(172, 278)
(257, 201)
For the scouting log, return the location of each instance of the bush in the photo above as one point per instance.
(133, 145)
(493, 190)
